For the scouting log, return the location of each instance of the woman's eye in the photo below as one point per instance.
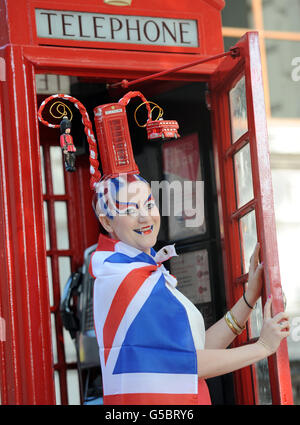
(150, 205)
(131, 211)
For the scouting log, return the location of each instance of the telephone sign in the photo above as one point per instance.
(144, 30)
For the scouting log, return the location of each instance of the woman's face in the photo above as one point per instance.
(137, 222)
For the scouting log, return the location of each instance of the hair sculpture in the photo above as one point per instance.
(118, 164)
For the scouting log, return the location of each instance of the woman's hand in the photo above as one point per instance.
(253, 291)
(215, 362)
(274, 329)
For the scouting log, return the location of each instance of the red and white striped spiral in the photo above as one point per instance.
(88, 129)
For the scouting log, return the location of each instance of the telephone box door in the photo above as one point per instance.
(244, 184)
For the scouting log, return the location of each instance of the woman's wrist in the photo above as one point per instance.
(263, 349)
(250, 299)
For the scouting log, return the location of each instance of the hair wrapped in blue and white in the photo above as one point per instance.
(105, 200)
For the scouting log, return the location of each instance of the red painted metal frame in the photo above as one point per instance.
(26, 356)
(205, 15)
(54, 259)
(90, 64)
(206, 12)
(27, 364)
(28, 375)
(125, 83)
(229, 71)
(81, 221)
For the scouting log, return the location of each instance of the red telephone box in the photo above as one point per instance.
(116, 126)
(101, 43)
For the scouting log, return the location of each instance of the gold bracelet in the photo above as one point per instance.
(241, 328)
(230, 324)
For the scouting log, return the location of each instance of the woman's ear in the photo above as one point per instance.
(106, 223)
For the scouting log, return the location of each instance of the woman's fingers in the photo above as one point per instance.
(284, 334)
(267, 308)
(275, 329)
(254, 260)
(258, 271)
(281, 316)
(284, 325)
(281, 319)
(255, 254)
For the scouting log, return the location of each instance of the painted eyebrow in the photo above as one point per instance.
(150, 198)
(126, 204)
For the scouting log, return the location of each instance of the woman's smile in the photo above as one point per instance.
(144, 230)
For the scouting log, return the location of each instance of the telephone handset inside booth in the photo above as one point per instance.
(76, 309)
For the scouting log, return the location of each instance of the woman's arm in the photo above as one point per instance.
(218, 362)
(220, 335)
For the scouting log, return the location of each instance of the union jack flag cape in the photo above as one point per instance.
(147, 331)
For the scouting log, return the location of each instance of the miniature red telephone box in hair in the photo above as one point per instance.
(114, 140)
(114, 137)
(112, 133)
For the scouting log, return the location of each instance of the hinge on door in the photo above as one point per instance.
(2, 69)
(234, 52)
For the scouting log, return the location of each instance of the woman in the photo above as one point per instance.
(152, 341)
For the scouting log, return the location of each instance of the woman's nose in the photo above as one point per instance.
(143, 214)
